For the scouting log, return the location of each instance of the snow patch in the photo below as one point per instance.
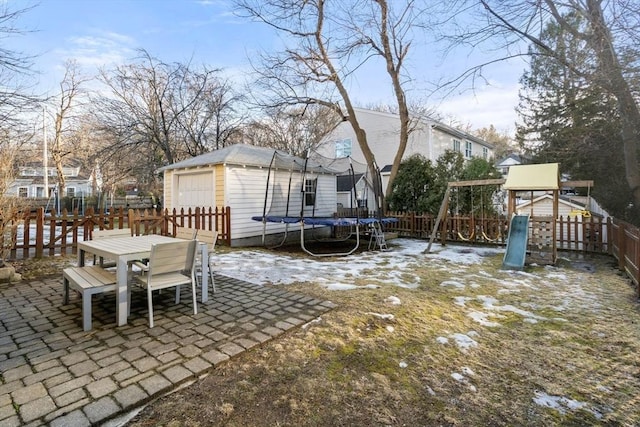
(463, 341)
(453, 283)
(381, 316)
(562, 404)
(393, 300)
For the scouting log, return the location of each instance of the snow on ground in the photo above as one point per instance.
(392, 267)
(395, 268)
(562, 404)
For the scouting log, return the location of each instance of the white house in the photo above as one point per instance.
(29, 182)
(578, 208)
(430, 138)
(252, 181)
(512, 159)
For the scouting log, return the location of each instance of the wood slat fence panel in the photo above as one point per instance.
(34, 234)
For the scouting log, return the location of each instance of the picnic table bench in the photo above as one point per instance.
(88, 280)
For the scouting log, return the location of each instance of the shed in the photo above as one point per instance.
(237, 177)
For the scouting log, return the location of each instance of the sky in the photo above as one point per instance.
(103, 33)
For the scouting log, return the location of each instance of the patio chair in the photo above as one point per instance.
(184, 233)
(108, 234)
(208, 237)
(170, 265)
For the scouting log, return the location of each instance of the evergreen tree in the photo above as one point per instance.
(412, 186)
(569, 120)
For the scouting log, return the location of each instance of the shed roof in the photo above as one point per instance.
(237, 154)
(544, 176)
(249, 155)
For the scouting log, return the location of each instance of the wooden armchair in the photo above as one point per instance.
(208, 237)
(170, 265)
(108, 234)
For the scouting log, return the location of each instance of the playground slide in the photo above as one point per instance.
(516, 243)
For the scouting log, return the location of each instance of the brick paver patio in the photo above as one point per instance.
(52, 372)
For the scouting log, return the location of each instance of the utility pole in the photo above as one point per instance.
(45, 155)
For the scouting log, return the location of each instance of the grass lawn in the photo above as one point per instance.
(466, 344)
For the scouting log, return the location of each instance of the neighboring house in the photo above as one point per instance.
(511, 160)
(239, 176)
(29, 182)
(362, 197)
(430, 138)
(568, 207)
(543, 206)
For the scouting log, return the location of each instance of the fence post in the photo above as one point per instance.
(39, 232)
(131, 219)
(622, 242)
(227, 216)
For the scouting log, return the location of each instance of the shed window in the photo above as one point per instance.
(23, 192)
(485, 153)
(456, 145)
(310, 186)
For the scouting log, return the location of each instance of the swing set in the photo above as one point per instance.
(468, 230)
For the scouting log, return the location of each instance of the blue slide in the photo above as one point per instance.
(516, 243)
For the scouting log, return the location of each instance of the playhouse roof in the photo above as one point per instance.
(534, 177)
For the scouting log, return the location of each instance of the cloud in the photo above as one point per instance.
(104, 48)
(488, 105)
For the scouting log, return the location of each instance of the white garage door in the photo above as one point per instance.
(196, 190)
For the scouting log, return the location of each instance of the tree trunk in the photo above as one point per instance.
(56, 155)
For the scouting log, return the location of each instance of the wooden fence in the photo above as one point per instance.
(572, 233)
(625, 247)
(34, 234)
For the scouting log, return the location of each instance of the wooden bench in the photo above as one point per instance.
(88, 280)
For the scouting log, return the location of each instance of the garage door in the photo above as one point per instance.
(196, 190)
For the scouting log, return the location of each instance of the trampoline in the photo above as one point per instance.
(320, 192)
(330, 222)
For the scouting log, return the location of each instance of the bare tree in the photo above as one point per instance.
(389, 37)
(315, 67)
(210, 120)
(610, 36)
(166, 112)
(502, 142)
(15, 71)
(70, 91)
(329, 43)
(295, 130)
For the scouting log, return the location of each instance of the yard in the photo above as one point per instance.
(446, 338)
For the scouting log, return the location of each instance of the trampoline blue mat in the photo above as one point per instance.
(323, 221)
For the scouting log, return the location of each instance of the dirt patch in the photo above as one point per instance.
(471, 345)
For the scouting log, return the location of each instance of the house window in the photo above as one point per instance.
(343, 148)
(485, 153)
(467, 149)
(23, 192)
(71, 191)
(310, 186)
(456, 145)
